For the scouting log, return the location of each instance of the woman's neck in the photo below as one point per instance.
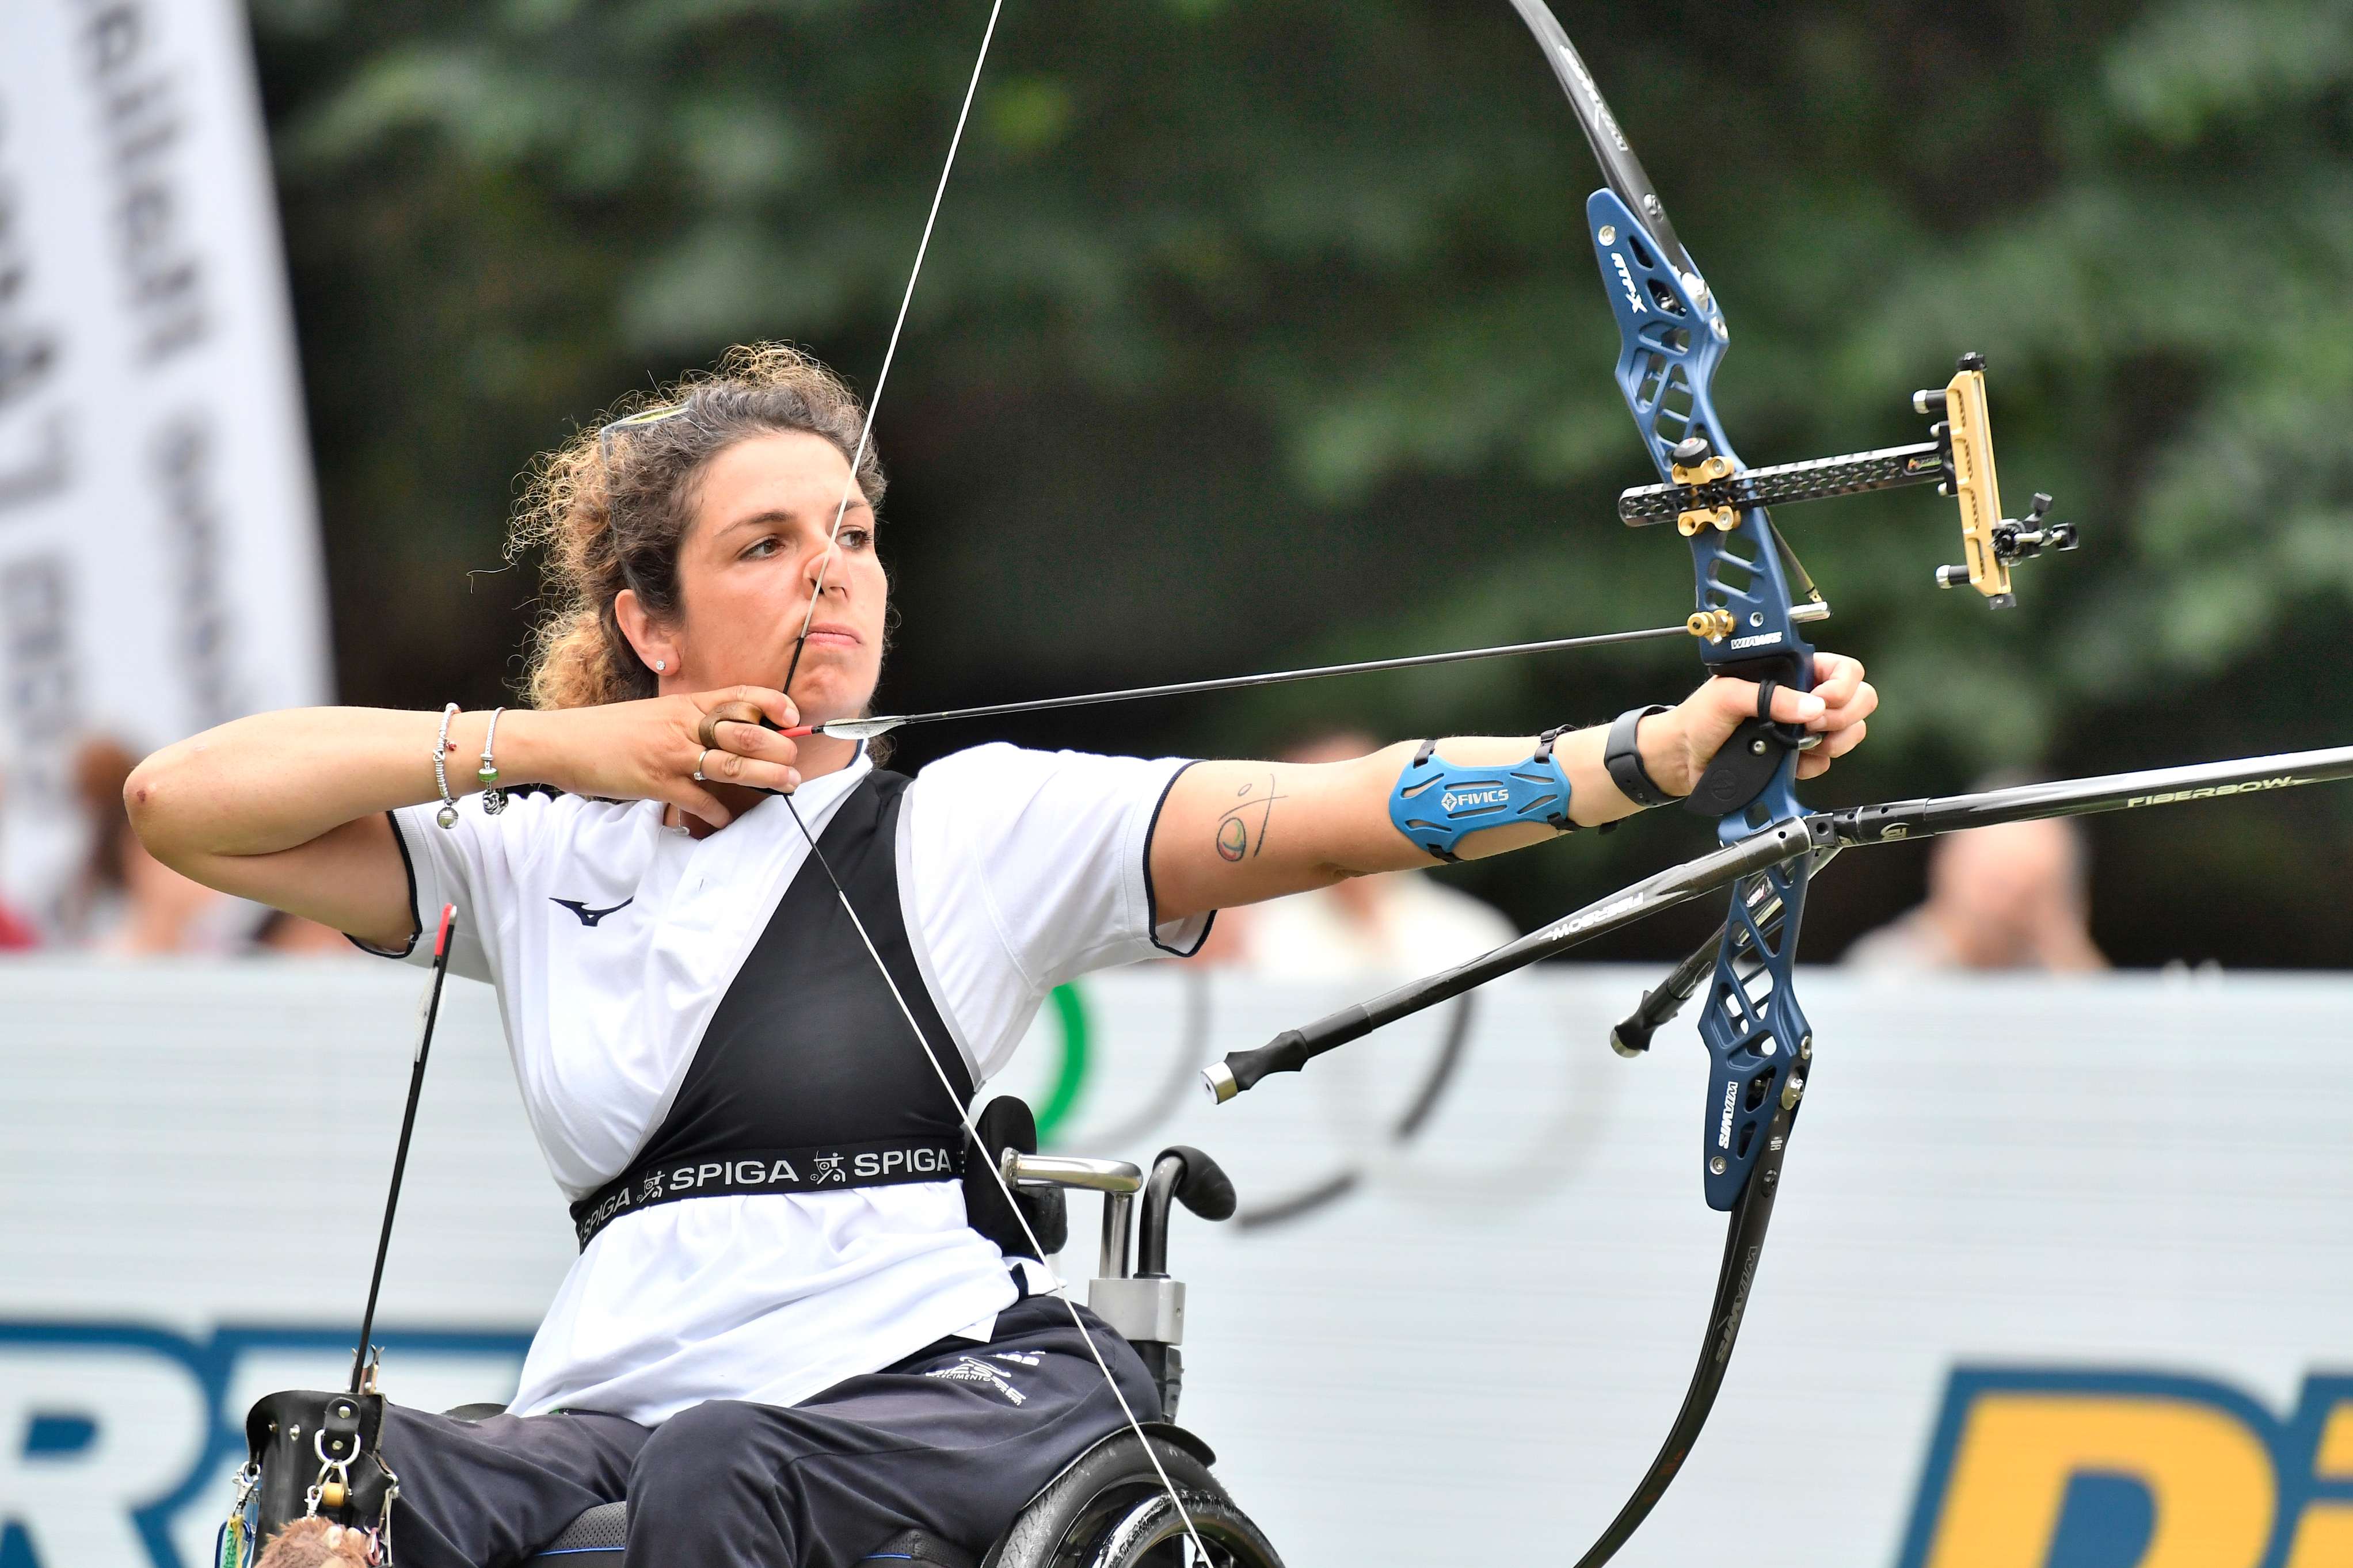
(818, 755)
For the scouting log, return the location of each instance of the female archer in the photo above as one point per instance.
(792, 1360)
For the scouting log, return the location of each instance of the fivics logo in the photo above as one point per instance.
(1633, 295)
(1459, 800)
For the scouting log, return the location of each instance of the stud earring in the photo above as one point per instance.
(660, 664)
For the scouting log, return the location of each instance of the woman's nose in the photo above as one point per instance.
(822, 572)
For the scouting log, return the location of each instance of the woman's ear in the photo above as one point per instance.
(648, 636)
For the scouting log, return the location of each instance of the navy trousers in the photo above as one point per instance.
(952, 1440)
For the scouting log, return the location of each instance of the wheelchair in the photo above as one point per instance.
(1107, 1508)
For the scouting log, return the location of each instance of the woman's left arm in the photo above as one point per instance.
(1238, 832)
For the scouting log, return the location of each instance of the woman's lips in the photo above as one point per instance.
(834, 637)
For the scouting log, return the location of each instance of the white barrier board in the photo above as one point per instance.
(2059, 1278)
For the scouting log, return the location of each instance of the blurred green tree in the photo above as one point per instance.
(1266, 329)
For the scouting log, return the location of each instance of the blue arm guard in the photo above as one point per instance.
(1437, 802)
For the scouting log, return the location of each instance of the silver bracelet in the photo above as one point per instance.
(447, 815)
(494, 799)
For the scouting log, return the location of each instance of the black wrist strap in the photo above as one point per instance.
(1624, 760)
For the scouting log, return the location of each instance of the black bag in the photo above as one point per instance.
(311, 1453)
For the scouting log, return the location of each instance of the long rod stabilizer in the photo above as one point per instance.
(1893, 822)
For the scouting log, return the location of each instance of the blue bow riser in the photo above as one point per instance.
(1671, 337)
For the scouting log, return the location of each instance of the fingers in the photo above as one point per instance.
(735, 747)
(768, 700)
(1791, 707)
(1849, 702)
(745, 753)
(765, 763)
(1841, 698)
(1846, 739)
(746, 705)
(1836, 676)
(1814, 763)
(1736, 701)
(1839, 682)
(1835, 711)
(696, 801)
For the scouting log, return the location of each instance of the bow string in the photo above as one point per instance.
(980, 1145)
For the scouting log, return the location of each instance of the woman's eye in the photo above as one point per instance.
(760, 549)
(856, 537)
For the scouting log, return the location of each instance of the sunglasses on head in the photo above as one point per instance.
(638, 420)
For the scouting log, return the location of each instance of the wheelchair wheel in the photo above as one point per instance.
(1109, 1510)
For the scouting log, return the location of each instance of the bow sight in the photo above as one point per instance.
(1708, 490)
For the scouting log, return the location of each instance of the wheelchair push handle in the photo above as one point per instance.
(1191, 1178)
(1115, 1176)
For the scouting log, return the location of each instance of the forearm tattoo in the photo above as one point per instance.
(1234, 828)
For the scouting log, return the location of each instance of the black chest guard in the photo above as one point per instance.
(808, 1077)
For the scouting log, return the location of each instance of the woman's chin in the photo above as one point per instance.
(823, 692)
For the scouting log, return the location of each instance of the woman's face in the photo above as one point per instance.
(749, 562)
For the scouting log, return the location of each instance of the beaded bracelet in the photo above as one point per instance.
(494, 799)
(447, 815)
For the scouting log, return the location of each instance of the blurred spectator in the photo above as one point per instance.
(2012, 897)
(1396, 924)
(16, 933)
(127, 902)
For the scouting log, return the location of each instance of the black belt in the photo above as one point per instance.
(882, 1162)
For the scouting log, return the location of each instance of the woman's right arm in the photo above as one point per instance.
(288, 808)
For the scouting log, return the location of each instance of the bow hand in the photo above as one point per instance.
(1679, 745)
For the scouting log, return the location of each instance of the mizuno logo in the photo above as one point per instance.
(1633, 295)
(589, 917)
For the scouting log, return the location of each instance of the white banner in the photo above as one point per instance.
(159, 552)
(2059, 1278)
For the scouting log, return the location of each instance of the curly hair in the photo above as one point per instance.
(611, 506)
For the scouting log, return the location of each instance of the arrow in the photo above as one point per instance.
(867, 729)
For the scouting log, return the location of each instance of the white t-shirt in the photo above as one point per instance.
(611, 939)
